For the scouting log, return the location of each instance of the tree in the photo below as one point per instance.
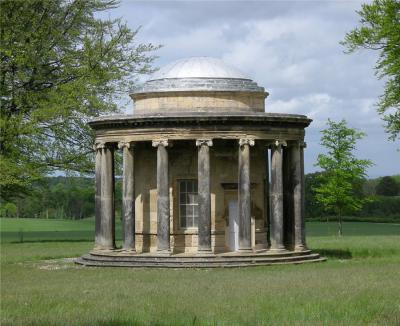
(60, 66)
(387, 186)
(380, 30)
(339, 189)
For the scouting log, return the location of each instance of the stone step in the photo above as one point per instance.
(198, 256)
(168, 261)
(192, 265)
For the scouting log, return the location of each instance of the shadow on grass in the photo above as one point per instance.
(334, 253)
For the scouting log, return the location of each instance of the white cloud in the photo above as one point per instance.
(290, 48)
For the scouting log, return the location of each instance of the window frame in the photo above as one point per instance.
(193, 226)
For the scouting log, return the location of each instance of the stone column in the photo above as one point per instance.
(298, 195)
(163, 219)
(98, 147)
(106, 239)
(276, 197)
(128, 196)
(204, 222)
(244, 195)
(288, 213)
(267, 206)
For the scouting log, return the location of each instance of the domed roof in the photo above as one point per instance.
(198, 67)
(198, 74)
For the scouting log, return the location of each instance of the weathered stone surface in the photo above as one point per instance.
(205, 101)
(204, 195)
(196, 84)
(288, 213)
(106, 239)
(301, 235)
(128, 196)
(98, 147)
(267, 199)
(163, 222)
(244, 195)
(276, 198)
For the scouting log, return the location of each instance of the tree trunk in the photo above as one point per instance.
(340, 224)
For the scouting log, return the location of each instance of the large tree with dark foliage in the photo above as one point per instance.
(387, 186)
(379, 30)
(61, 64)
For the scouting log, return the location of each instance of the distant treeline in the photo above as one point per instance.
(383, 196)
(73, 198)
(57, 197)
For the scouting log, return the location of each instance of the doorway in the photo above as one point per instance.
(233, 225)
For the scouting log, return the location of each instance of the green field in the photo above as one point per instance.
(358, 285)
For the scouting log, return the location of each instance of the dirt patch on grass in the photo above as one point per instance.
(57, 264)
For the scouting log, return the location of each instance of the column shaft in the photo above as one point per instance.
(267, 206)
(244, 195)
(204, 222)
(98, 148)
(276, 198)
(128, 197)
(302, 235)
(288, 212)
(163, 220)
(107, 226)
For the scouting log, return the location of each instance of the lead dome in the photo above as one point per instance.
(198, 84)
(199, 67)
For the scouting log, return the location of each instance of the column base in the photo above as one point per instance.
(277, 250)
(104, 248)
(129, 251)
(205, 252)
(300, 248)
(164, 252)
(245, 250)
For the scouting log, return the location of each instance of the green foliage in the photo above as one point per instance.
(387, 186)
(60, 66)
(375, 209)
(8, 210)
(341, 180)
(380, 30)
(313, 208)
(382, 206)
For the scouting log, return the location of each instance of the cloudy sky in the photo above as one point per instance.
(289, 47)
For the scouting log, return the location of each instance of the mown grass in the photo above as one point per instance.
(358, 285)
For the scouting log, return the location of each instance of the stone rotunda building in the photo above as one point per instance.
(209, 178)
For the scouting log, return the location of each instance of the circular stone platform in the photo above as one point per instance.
(229, 259)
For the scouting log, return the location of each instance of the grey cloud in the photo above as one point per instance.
(291, 48)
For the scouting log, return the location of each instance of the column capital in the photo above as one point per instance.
(127, 144)
(246, 141)
(278, 143)
(99, 145)
(302, 143)
(160, 142)
(206, 142)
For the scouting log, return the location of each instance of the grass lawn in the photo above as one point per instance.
(358, 285)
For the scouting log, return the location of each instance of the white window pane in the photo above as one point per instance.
(188, 203)
(192, 198)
